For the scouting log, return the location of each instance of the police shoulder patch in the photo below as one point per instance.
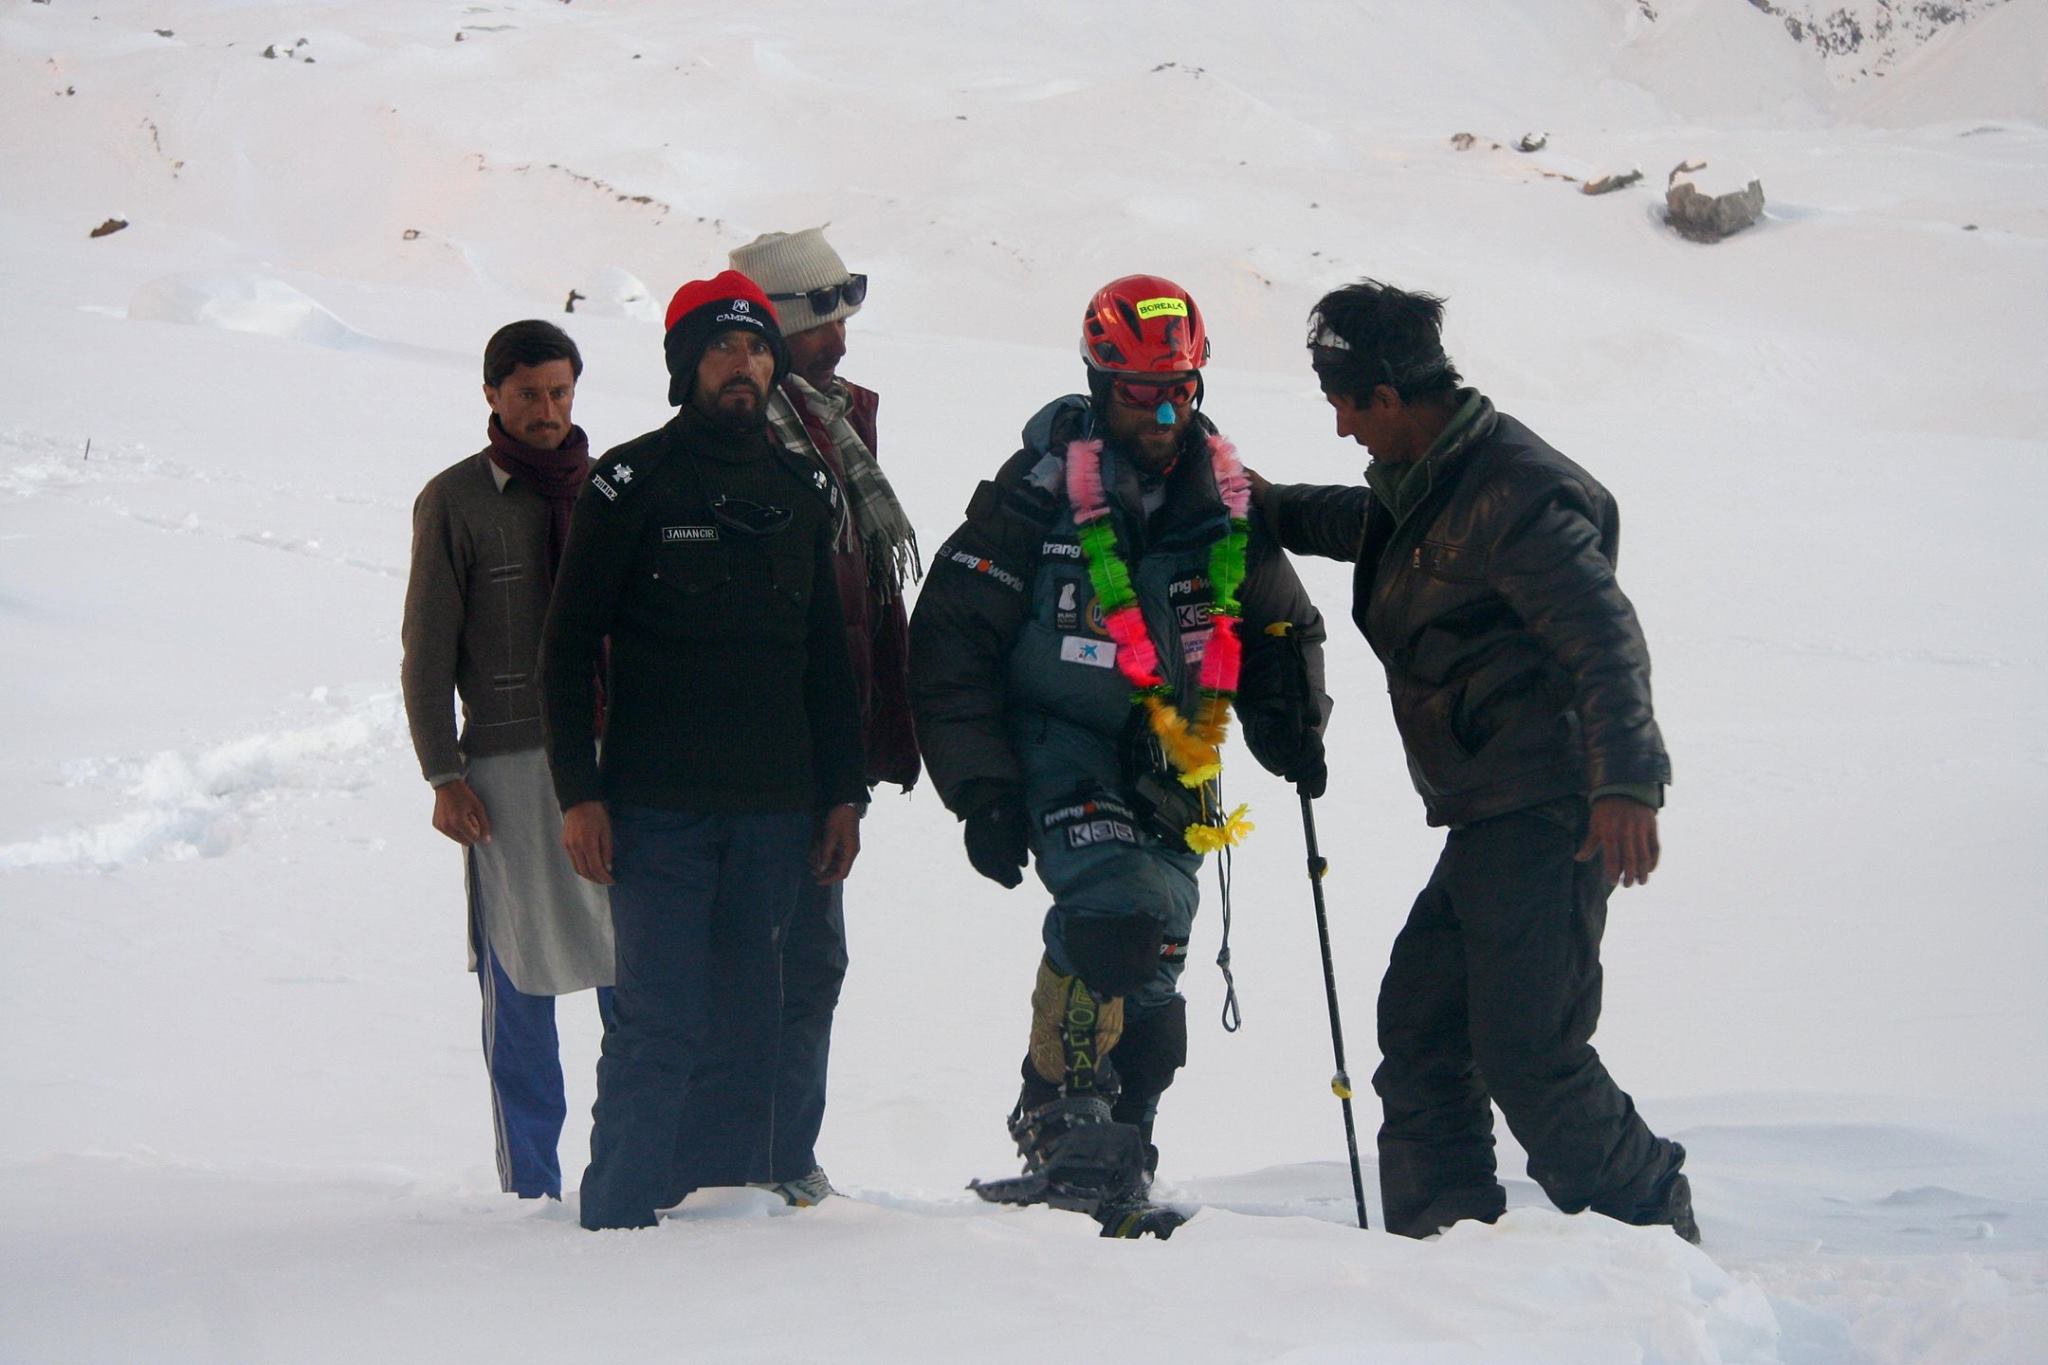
(622, 470)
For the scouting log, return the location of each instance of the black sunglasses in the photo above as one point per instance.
(748, 517)
(822, 301)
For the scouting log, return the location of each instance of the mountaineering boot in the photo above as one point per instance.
(1080, 1152)
(1062, 1124)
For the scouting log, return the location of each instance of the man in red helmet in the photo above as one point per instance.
(731, 763)
(1075, 655)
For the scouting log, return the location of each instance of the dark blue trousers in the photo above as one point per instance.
(524, 1057)
(687, 1083)
(813, 969)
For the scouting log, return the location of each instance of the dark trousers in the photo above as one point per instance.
(524, 1059)
(813, 969)
(686, 1084)
(1493, 992)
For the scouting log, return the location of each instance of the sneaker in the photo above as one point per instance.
(803, 1192)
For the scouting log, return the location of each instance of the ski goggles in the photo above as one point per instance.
(749, 518)
(1143, 395)
(854, 289)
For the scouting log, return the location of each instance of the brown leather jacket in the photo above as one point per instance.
(1516, 667)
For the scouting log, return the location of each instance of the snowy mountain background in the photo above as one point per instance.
(248, 1121)
(1867, 37)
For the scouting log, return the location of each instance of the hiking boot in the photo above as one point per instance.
(1676, 1209)
(1672, 1203)
(802, 1192)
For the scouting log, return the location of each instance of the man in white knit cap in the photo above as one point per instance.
(824, 419)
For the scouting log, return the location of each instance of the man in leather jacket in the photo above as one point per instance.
(1520, 684)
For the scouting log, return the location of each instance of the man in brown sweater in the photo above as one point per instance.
(488, 533)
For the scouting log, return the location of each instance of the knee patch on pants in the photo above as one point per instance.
(1114, 954)
(1154, 1046)
(1072, 1028)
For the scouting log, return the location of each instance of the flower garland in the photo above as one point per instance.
(1192, 746)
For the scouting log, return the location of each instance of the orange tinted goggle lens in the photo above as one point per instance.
(1152, 395)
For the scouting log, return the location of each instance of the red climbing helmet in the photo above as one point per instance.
(1143, 324)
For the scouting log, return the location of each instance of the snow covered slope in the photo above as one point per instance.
(248, 1118)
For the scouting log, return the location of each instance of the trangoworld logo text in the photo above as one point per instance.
(1088, 823)
(977, 564)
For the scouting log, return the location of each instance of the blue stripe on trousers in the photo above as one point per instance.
(522, 1054)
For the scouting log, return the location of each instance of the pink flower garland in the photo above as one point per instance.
(1193, 746)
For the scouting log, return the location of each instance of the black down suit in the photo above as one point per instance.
(1013, 692)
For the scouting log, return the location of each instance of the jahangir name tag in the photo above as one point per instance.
(1075, 649)
(672, 535)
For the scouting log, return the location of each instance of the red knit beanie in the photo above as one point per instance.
(700, 310)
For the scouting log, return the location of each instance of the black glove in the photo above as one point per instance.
(1289, 747)
(997, 842)
(1310, 771)
(1282, 717)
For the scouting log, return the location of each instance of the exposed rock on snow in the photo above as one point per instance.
(1608, 184)
(1702, 216)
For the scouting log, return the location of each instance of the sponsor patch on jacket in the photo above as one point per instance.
(1072, 611)
(1061, 549)
(974, 563)
(1192, 603)
(1084, 824)
(1078, 649)
(611, 494)
(1066, 606)
(1173, 950)
(683, 535)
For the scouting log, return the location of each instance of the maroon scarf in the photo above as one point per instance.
(556, 475)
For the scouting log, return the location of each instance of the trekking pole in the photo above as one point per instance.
(1340, 1083)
